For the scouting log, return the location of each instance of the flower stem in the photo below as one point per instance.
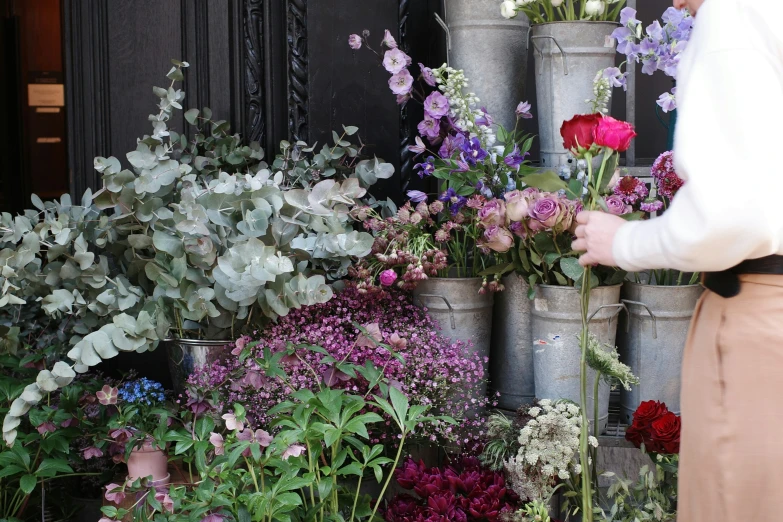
(587, 493)
(388, 479)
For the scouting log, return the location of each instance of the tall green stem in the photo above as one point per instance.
(356, 497)
(594, 451)
(388, 479)
(584, 457)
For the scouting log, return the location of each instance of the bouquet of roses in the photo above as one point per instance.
(655, 427)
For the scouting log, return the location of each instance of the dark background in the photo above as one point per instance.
(276, 69)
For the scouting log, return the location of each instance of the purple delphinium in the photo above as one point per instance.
(436, 372)
(388, 40)
(429, 127)
(355, 42)
(401, 82)
(436, 105)
(427, 75)
(425, 168)
(394, 60)
(515, 158)
(473, 151)
(454, 200)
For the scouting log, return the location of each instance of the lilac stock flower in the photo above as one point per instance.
(429, 127)
(355, 42)
(473, 151)
(419, 147)
(425, 168)
(417, 196)
(450, 145)
(436, 105)
(515, 158)
(454, 200)
(394, 60)
(427, 75)
(523, 111)
(651, 205)
(388, 40)
(668, 101)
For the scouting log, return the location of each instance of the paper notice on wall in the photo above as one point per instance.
(46, 95)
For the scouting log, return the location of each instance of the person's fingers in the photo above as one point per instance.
(583, 217)
(580, 231)
(587, 260)
(580, 245)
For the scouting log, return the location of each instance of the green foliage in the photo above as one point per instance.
(652, 497)
(200, 236)
(311, 469)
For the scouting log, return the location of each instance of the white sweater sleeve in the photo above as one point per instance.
(728, 147)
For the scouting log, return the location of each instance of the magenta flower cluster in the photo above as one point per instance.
(447, 376)
(666, 178)
(460, 491)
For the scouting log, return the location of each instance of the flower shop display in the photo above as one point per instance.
(461, 490)
(657, 49)
(201, 239)
(299, 468)
(653, 496)
(492, 51)
(446, 376)
(660, 305)
(571, 41)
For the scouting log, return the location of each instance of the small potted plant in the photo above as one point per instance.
(140, 424)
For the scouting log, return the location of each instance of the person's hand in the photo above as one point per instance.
(595, 237)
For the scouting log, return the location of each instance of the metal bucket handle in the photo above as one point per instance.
(446, 29)
(565, 56)
(451, 310)
(620, 307)
(181, 352)
(652, 316)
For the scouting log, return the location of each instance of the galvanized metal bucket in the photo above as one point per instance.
(461, 312)
(185, 355)
(511, 357)
(556, 325)
(651, 341)
(568, 55)
(493, 53)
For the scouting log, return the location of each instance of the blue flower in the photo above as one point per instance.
(417, 196)
(142, 391)
(454, 200)
(515, 158)
(426, 168)
(473, 151)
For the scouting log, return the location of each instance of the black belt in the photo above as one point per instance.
(727, 283)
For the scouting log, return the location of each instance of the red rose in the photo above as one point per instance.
(648, 412)
(635, 434)
(614, 134)
(665, 434)
(579, 132)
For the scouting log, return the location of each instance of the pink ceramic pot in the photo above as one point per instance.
(148, 460)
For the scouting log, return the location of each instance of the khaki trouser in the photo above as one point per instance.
(731, 454)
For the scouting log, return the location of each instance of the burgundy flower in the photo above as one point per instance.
(410, 473)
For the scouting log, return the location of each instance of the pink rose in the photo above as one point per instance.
(616, 206)
(492, 213)
(517, 207)
(518, 229)
(498, 239)
(388, 277)
(614, 134)
(547, 210)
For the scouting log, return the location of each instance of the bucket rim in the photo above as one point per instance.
(574, 288)
(634, 283)
(198, 342)
(592, 22)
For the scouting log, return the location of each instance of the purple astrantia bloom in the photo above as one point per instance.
(388, 40)
(427, 75)
(355, 42)
(523, 111)
(425, 168)
(454, 200)
(515, 158)
(450, 145)
(401, 82)
(429, 127)
(668, 100)
(436, 105)
(485, 118)
(395, 60)
(417, 196)
(616, 77)
(419, 147)
(473, 151)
